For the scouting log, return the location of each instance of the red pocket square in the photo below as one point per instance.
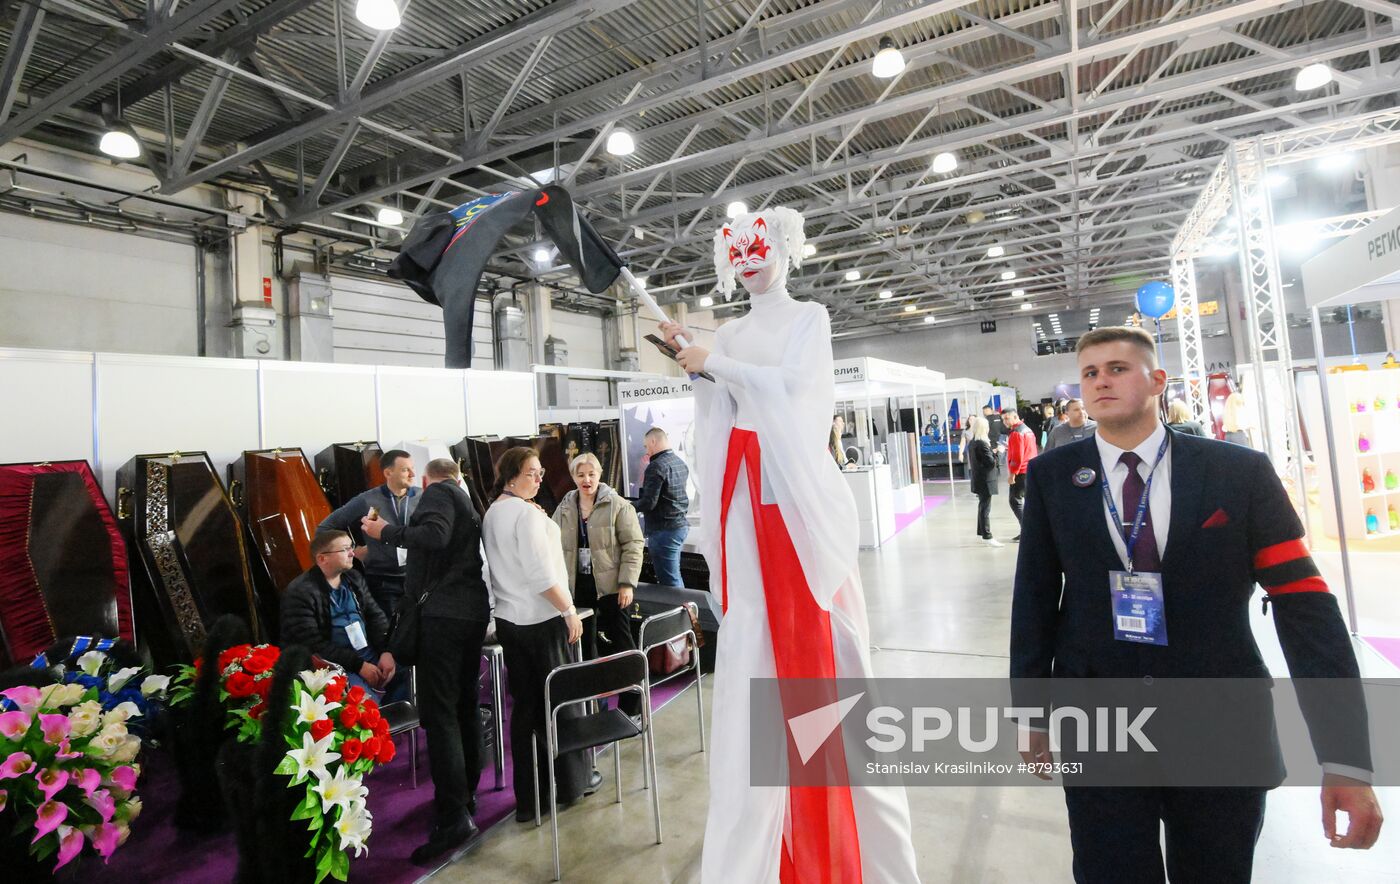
(1218, 518)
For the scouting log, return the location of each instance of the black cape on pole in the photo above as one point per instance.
(444, 254)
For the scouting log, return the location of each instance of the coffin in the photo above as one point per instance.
(63, 567)
(347, 469)
(476, 458)
(557, 481)
(280, 501)
(608, 447)
(189, 540)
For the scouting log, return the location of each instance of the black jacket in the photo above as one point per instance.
(383, 558)
(983, 466)
(306, 618)
(444, 554)
(663, 502)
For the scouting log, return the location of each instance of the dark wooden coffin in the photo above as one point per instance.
(347, 469)
(277, 494)
(194, 564)
(607, 446)
(63, 568)
(476, 458)
(557, 481)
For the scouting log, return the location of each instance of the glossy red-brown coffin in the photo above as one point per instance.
(347, 469)
(557, 482)
(194, 564)
(63, 567)
(282, 503)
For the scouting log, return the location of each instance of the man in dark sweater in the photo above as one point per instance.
(445, 572)
(330, 611)
(663, 504)
(394, 501)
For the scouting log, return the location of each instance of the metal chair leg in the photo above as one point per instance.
(535, 767)
(656, 792)
(413, 754)
(699, 701)
(498, 719)
(553, 806)
(617, 769)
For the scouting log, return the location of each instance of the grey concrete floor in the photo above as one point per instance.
(939, 605)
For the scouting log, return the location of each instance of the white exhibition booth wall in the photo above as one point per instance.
(106, 408)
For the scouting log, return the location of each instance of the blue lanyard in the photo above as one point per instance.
(1130, 540)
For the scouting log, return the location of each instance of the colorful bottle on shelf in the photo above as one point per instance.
(1368, 482)
(1373, 524)
(1363, 444)
(1394, 518)
(1359, 406)
(1391, 481)
(1379, 404)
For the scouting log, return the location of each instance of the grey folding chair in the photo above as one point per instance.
(675, 625)
(403, 718)
(580, 685)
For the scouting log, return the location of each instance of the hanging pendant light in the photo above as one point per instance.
(889, 61)
(620, 143)
(381, 15)
(117, 141)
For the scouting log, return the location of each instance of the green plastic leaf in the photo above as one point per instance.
(340, 867)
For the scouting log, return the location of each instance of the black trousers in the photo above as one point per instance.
(984, 516)
(531, 653)
(1211, 833)
(387, 592)
(612, 621)
(1017, 496)
(449, 665)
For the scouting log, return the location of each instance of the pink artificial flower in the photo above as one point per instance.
(70, 844)
(65, 751)
(124, 777)
(104, 838)
(88, 780)
(51, 781)
(13, 725)
(17, 765)
(102, 802)
(55, 728)
(51, 814)
(25, 697)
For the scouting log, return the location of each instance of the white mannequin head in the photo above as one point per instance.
(758, 248)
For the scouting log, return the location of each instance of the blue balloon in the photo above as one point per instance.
(1155, 299)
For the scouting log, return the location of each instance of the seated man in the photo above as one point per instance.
(329, 610)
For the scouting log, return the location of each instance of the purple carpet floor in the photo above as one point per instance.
(904, 520)
(158, 852)
(1389, 648)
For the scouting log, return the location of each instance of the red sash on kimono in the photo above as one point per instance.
(823, 844)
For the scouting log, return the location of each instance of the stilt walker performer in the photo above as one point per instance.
(779, 529)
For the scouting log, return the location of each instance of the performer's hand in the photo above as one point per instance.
(1363, 811)
(373, 528)
(1038, 752)
(362, 552)
(669, 330)
(624, 596)
(692, 359)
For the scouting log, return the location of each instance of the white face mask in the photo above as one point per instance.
(758, 255)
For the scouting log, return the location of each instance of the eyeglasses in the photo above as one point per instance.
(538, 474)
(336, 552)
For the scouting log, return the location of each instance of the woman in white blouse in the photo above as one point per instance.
(535, 623)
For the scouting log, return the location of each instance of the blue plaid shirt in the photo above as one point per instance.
(663, 501)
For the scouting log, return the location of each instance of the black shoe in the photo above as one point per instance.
(595, 782)
(443, 840)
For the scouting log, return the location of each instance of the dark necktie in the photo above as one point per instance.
(1144, 553)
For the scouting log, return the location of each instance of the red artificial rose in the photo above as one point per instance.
(356, 695)
(257, 664)
(350, 750)
(240, 685)
(386, 751)
(236, 652)
(370, 718)
(319, 729)
(349, 715)
(258, 710)
(198, 664)
(370, 704)
(335, 690)
(263, 686)
(370, 747)
(381, 729)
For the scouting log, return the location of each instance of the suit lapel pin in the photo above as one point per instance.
(1083, 478)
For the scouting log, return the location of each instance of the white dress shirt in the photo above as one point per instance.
(1159, 501)
(527, 559)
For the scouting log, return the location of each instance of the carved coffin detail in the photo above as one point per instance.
(63, 567)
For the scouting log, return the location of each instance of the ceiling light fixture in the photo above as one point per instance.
(389, 216)
(707, 301)
(910, 308)
(852, 275)
(1018, 293)
(1314, 76)
(119, 144)
(1027, 306)
(541, 255)
(886, 294)
(995, 252)
(639, 233)
(808, 250)
(1008, 275)
(944, 163)
(736, 208)
(889, 61)
(620, 142)
(381, 15)
(930, 320)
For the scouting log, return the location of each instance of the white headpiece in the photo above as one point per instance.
(779, 227)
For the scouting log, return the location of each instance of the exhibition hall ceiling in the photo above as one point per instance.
(1079, 131)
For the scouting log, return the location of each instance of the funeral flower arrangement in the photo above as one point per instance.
(335, 736)
(69, 749)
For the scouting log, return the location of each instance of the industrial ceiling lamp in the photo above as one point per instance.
(1314, 76)
(118, 142)
(852, 275)
(621, 143)
(808, 250)
(930, 320)
(910, 308)
(541, 255)
(889, 61)
(389, 216)
(707, 301)
(1008, 275)
(886, 294)
(381, 15)
(995, 252)
(736, 208)
(944, 163)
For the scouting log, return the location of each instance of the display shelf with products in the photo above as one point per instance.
(1365, 418)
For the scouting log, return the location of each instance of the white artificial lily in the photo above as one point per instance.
(155, 685)
(354, 827)
(339, 790)
(91, 662)
(122, 712)
(313, 756)
(317, 679)
(119, 679)
(311, 709)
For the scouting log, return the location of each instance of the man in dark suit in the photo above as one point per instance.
(444, 542)
(1216, 521)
